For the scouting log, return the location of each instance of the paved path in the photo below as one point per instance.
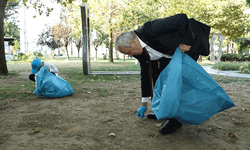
(209, 70)
(212, 71)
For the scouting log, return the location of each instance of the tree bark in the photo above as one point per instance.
(110, 48)
(66, 48)
(3, 65)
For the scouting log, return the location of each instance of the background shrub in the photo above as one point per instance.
(227, 65)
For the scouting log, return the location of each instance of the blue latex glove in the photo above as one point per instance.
(35, 91)
(141, 111)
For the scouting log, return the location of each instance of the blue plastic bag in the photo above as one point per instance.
(186, 92)
(51, 86)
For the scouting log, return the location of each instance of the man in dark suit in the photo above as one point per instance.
(154, 43)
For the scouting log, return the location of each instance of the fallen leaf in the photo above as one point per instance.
(233, 135)
(152, 135)
(35, 130)
(135, 110)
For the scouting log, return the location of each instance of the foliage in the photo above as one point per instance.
(38, 5)
(245, 68)
(235, 57)
(248, 2)
(99, 39)
(61, 35)
(229, 19)
(45, 39)
(112, 17)
(18, 55)
(242, 43)
(11, 30)
(11, 10)
(209, 57)
(229, 57)
(227, 65)
(242, 67)
(16, 45)
(28, 56)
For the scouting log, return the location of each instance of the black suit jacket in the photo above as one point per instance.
(165, 35)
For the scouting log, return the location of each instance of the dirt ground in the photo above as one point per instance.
(87, 121)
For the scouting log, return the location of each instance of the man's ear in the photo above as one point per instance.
(132, 42)
(124, 50)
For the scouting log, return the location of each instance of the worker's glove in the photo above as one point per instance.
(141, 111)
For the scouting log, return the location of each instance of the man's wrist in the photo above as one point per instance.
(144, 104)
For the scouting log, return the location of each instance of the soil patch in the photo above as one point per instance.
(90, 121)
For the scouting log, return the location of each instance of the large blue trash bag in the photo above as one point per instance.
(51, 86)
(186, 92)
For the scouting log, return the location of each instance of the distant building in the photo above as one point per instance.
(6, 44)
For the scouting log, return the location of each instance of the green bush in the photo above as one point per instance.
(229, 57)
(227, 66)
(208, 57)
(242, 67)
(245, 68)
(18, 55)
(38, 55)
(235, 57)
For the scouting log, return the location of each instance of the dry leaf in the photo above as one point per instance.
(233, 134)
(135, 110)
(35, 130)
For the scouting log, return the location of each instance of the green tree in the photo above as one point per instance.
(39, 6)
(225, 16)
(248, 2)
(16, 45)
(99, 40)
(11, 30)
(3, 66)
(74, 20)
(45, 38)
(104, 15)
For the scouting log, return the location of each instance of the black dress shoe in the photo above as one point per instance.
(170, 126)
(151, 116)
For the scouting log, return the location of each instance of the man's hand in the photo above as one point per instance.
(184, 48)
(141, 111)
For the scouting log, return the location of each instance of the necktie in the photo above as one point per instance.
(149, 71)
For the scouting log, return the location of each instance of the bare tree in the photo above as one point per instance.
(78, 43)
(61, 35)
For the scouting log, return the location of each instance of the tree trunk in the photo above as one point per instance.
(3, 65)
(227, 47)
(110, 48)
(71, 48)
(78, 49)
(95, 54)
(66, 48)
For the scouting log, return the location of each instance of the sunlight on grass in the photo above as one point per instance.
(72, 71)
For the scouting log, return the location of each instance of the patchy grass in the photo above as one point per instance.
(2, 105)
(225, 79)
(72, 71)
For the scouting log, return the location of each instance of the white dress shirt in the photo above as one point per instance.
(154, 55)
